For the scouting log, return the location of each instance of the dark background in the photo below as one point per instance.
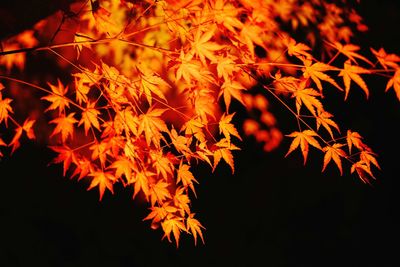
(272, 212)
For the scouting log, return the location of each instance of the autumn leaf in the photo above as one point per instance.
(334, 152)
(103, 180)
(152, 83)
(324, 118)
(317, 71)
(351, 72)
(158, 214)
(57, 98)
(296, 49)
(185, 176)
(354, 138)
(386, 60)
(65, 126)
(304, 139)
(363, 171)
(5, 108)
(393, 82)
(66, 155)
(90, 117)
(349, 50)
(152, 126)
(182, 201)
(159, 192)
(307, 96)
(141, 182)
(369, 158)
(194, 226)
(173, 225)
(123, 166)
(227, 128)
(27, 128)
(223, 151)
(203, 47)
(231, 89)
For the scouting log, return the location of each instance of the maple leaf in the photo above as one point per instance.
(188, 69)
(5, 108)
(57, 98)
(334, 152)
(89, 117)
(194, 226)
(296, 49)
(152, 83)
(158, 214)
(141, 181)
(152, 125)
(303, 139)
(159, 192)
(123, 166)
(203, 47)
(83, 168)
(162, 163)
(386, 60)
(182, 201)
(27, 128)
(307, 96)
(324, 118)
(351, 72)
(349, 50)
(103, 180)
(226, 66)
(363, 171)
(66, 155)
(316, 73)
(354, 138)
(395, 83)
(368, 157)
(227, 128)
(232, 89)
(224, 152)
(2, 143)
(100, 150)
(185, 176)
(173, 225)
(194, 127)
(65, 126)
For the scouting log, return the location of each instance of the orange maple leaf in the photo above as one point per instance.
(203, 47)
(173, 225)
(334, 152)
(351, 72)
(66, 155)
(90, 117)
(231, 89)
(103, 180)
(386, 60)
(307, 96)
(349, 50)
(395, 83)
(57, 98)
(316, 73)
(227, 128)
(185, 176)
(152, 126)
(303, 139)
(65, 126)
(324, 118)
(194, 226)
(5, 108)
(159, 192)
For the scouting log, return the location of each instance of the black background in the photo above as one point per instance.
(272, 212)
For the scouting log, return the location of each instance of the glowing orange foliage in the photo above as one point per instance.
(154, 88)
